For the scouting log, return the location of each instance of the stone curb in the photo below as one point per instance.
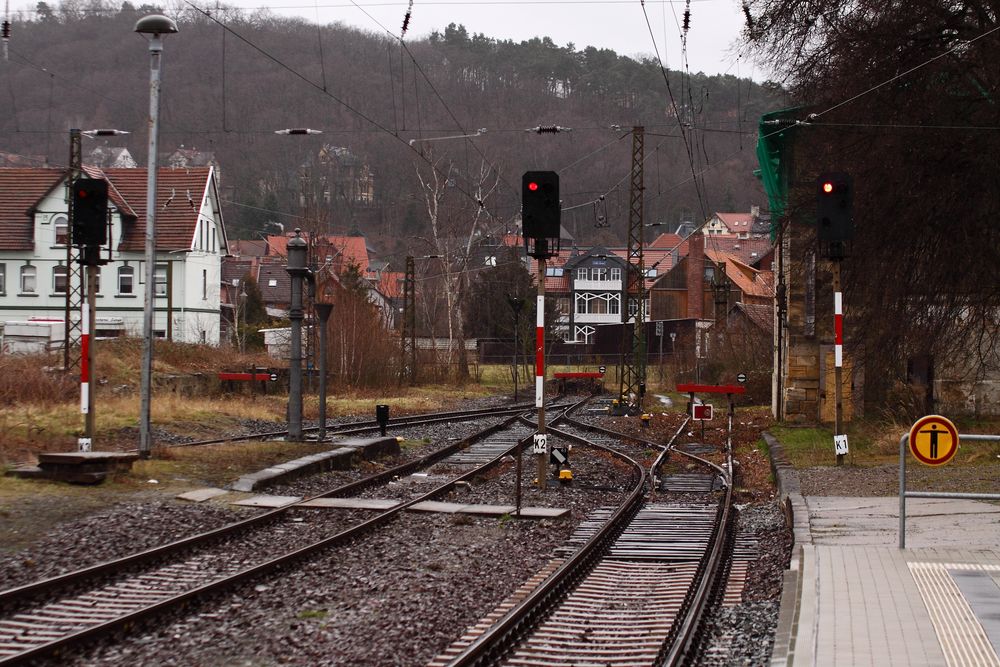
(342, 458)
(790, 631)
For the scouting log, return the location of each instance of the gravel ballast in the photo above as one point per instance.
(402, 594)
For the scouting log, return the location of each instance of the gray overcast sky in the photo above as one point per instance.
(713, 38)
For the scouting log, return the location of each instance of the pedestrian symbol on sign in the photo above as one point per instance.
(933, 440)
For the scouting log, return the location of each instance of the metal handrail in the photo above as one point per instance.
(904, 494)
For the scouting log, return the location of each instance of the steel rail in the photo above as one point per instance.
(501, 637)
(681, 651)
(365, 426)
(354, 532)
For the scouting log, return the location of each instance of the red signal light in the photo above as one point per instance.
(532, 186)
(827, 187)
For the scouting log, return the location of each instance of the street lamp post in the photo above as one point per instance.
(153, 25)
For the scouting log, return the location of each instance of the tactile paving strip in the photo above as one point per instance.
(961, 636)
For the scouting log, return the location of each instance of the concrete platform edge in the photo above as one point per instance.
(342, 457)
(793, 634)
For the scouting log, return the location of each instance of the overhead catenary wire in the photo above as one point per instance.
(277, 61)
(673, 104)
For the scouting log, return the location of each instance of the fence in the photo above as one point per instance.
(904, 494)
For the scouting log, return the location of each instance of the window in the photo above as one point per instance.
(204, 286)
(29, 276)
(126, 280)
(160, 280)
(585, 334)
(581, 274)
(598, 274)
(60, 279)
(650, 273)
(554, 271)
(61, 229)
(598, 304)
(3, 278)
(616, 274)
(212, 232)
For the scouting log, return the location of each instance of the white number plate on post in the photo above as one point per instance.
(539, 445)
(840, 444)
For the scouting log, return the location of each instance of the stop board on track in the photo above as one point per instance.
(933, 440)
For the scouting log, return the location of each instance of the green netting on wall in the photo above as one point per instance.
(775, 136)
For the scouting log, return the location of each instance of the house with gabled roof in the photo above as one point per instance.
(190, 242)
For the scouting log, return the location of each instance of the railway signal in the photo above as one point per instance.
(834, 207)
(540, 210)
(90, 212)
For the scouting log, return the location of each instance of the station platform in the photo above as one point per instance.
(852, 597)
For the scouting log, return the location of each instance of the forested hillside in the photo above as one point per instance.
(231, 79)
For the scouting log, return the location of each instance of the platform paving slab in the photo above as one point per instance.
(268, 501)
(352, 503)
(201, 495)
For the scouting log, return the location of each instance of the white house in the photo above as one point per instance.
(190, 242)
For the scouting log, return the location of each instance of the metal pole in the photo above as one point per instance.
(75, 153)
(516, 314)
(323, 310)
(542, 458)
(145, 435)
(903, 441)
(298, 271)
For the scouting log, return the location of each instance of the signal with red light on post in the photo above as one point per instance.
(834, 207)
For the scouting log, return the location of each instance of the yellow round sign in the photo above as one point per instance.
(933, 440)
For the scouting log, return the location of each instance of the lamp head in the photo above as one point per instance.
(156, 24)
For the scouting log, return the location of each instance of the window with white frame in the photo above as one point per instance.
(607, 303)
(60, 279)
(126, 280)
(160, 280)
(3, 278)
(29, 279)
(204, 284)
(582, 273)
(60, 227)
(598, 273)
(616, 274)
(585, 333)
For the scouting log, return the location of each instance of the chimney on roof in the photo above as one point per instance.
(755, 212)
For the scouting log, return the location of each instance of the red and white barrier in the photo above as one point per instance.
(540, 352)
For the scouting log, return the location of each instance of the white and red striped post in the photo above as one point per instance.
(838, 329)
(540, 352)
(85, 362)
(542, 458)
(88, 313)
(838, 360)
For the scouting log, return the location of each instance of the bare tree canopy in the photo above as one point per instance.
(905, 96)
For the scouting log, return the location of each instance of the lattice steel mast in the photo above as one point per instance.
(632, 384)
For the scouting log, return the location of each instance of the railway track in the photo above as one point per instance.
(635, 580)
(370, 425)
(63, 612)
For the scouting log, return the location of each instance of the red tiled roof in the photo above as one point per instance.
(670, 241)
(176, 216)
(176, 219)
(248, 247)
(747, 251)
(20, 190)
(390, 283)
(343, 250)
(750, 281)
(738, 223)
